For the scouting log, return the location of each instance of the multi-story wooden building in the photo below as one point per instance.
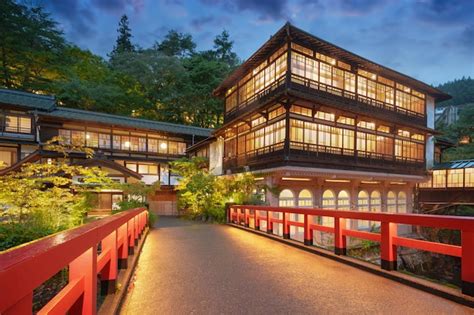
(327, 127)
(128, 148)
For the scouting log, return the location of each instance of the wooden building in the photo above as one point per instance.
(129, 149)
(327, 127)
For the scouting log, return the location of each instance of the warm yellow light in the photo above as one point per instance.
(127, 144)
(163, 145)
(370, 182)
(333, 61)
(337, 180)
(258, 178)
(296, 179)
(88, 136)
(397, 183)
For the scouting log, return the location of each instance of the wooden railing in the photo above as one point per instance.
(388, 238)
(25, 268)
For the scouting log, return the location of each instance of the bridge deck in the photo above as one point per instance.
(201, 268)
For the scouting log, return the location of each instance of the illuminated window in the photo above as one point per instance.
(325, 72)
(328, 202)
(455, 178)
(134, 143)
(17, 124)
(404, 133)
(104, 141)
(65, 136)
(305, 199)
(301, 110)
(298, 64)
(153, 145)
(296, 132)
(391, 202)
(383, 128)
(8, 156)
(349, 81)
(338, 78)
(77, 137)
(363, 205)
(375, 201)
(366, 125)
(469, 177)
(402, 202)
(439, 178)
(310, 133)
(92, 139)
(324, 116)
(417, 136)
(325, 58)
(276, 112)
(345, 120)
(343, 200)
(302, 49)
(286, 198)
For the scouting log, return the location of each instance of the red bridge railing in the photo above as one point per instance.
(388, 238)
(25, 268)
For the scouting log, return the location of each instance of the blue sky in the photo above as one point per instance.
(431, 40)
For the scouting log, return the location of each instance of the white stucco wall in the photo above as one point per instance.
(430, 119)
(216, 156)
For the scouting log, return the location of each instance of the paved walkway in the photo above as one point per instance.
(215, 269)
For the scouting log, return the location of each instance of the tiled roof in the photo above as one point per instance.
(454, 165)
(84, 115)
(28, 100)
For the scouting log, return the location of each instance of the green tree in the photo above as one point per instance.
(462, 129)
(44, 198)
(176, 44)
(462, 91)
(223, 49)
(123, 43)
(31, 47)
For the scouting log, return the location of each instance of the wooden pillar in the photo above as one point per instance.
(108, 274)
(388, 251)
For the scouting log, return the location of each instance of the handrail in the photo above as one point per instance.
(388, 238)
(24, 268)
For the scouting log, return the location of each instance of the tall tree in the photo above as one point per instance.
(31, 46)
(177, 44)
(223, 49)
(123, 43)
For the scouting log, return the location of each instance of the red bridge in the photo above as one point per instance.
(189, 267)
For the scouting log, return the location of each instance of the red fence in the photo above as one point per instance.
(388, 238)
(25, 268)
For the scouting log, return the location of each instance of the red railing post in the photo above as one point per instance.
(286, 227)
(135, 229)
(108, 274)
(388, 251)
(131, 236)
(339, 238)
(123, 249)
(308, 233)
(269, 223)
(23, 306)
(467, 262)
(246, 218)
(256, 220)
(85, 266)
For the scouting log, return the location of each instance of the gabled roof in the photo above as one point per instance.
(459, 164)
(27, 100)
(84, 115)
(299, 36)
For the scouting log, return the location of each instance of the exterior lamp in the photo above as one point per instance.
(127, 144)
(163, 145)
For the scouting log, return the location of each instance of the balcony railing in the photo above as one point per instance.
(388, 238)
(315, 85)
(25, 268)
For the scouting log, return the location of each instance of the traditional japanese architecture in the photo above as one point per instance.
(129, 149)
(326, 127)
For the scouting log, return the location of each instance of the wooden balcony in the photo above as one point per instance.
(318, 156)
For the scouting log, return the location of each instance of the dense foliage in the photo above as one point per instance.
(169, 81)
(44, 198)
(204, 195)
(461, 90)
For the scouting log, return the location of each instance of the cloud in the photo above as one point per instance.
(266, 9)
(358, 7)
(78, 19)
(119, 6)
(445, 12)
(200, 23)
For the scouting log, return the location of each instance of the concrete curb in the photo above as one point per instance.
(418, 283)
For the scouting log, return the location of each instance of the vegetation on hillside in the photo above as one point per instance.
(169, 81)
(462, 91)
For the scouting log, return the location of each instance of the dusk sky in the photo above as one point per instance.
(431, 40)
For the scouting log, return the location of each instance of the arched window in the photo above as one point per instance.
(375, 201)
(402, 202)
(343, 200)
(363, 205)
(329, 200)
(305, 199)
(391, 202)
(286, 198)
